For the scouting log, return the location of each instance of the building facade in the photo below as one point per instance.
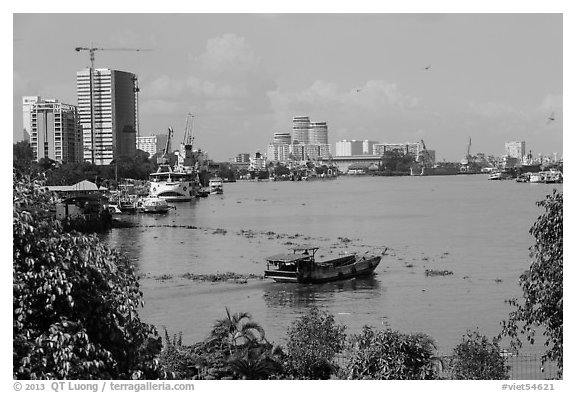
(152, 144)
(282, 138)
(27, 104)
(318, 133)
(300, 129)
(515, 149)
(349, 148)
(242, 158)
(55, 131)
(107, 107)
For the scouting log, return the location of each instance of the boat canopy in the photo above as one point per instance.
(304, 247)
(287, 258)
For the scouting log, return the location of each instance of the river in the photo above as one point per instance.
(475, 228)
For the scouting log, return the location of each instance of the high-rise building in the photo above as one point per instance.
(55, 131)
(515, 149)
(318, 133)
(300, 129)
(282, 138)
(152, 144)
(242, 158)
(368, 146)
(108, 102)
(27, 104)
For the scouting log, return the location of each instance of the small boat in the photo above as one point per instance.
(302, 267)
(216, 185)
(499, 176)
(152, 204)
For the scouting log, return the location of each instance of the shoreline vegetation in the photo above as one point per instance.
(76, 316)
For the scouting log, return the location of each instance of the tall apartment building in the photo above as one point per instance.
(152, 144)
(54, 129)
(112, 108)
(515, 149)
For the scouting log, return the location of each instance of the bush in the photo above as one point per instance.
(390, 355)
(477, 358)
(75, 301)
(313, 341)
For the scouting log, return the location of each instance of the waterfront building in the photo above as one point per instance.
(515, 149)
(55, 131)
(414, 148)
(152, 144)
(349, 148)
(107, 102)
(300, 129)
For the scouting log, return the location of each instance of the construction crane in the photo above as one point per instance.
(164, 158)
(467, 159)
(425, 156)
(91, 50)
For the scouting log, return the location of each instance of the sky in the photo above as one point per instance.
(494, 77)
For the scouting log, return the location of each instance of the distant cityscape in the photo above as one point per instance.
(104, 126)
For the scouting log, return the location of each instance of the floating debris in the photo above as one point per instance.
(409, 265)
(498, 280)
(344, 239)
(163, 277)
(223, 277)
(219, 231)
(432, 272)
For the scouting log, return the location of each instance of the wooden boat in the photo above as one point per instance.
(302, 267)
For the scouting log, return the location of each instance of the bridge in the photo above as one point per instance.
(343, 162)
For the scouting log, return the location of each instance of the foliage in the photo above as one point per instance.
(542, 285)
(478, 358)
(235, 348)
(313, 341)
(388, 354)
(394, 161)
(22, 156)
(74, 301)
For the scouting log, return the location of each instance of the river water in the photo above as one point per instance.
(475, 228)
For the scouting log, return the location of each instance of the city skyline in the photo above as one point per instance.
(385, 77)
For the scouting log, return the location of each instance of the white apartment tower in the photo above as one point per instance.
(54, 130)
(107, 101)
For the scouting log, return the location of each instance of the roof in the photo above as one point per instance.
(84, 185)
(287, 258)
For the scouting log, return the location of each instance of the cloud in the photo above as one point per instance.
(227, 77)
(552, 102)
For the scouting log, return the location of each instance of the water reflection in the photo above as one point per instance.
(280, 295)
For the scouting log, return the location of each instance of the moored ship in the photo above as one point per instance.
(257, 169)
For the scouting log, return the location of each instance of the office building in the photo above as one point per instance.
(54, 129)
(242, 158)
(152, 144)
(107, 107)
(515, 149)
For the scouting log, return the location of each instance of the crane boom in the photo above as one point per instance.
(91, 50)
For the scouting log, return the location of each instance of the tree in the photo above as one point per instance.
(477, 358)
(388, 354)
(23, 155)
(313, 341)
(236, 330)
(75, 301)
(542, 285)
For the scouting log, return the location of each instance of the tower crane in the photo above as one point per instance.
(91, 50)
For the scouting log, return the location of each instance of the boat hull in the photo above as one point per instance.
(361, 267)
